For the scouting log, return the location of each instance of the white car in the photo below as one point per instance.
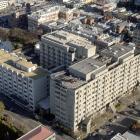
(94, 134)
(110, 133)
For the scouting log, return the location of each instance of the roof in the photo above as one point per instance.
(45, 103)
(88, 65)
(126, 136)
(68, 39)
(24, 63)
(39, 133)
(20, 65)
(119, 50)
(119, 137)
(67, 81)
(98, 63)
(91, 64)
(37, 73)
(131, 136)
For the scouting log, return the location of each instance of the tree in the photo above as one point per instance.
(3, 34)
(2, 108)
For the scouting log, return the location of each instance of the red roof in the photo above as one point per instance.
(39, 133)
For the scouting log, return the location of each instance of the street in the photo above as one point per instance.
(24, 118)
(18, 114)
(120, 124)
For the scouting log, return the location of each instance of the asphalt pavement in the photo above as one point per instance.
(21, 117)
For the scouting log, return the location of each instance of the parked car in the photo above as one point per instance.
(94, 134)
(111, 133)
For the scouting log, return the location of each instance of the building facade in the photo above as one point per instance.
(4, 4)
(63, 48)
(47, 14)
(22, 81)
(91, 86)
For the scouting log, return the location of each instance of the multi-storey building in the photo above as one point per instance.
(22, 81)
(47, 14)
(66, 14)
(91, 86)
(4, 4)
(63, 48)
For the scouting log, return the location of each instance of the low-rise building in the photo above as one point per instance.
(39, 133)
(126, 136)
(4, 4)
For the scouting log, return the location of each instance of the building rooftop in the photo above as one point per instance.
(131, 136)
(105, 38)
(67, 80)
(87, 31)
(55, 25)
(126, 136)
(20, 65)
(39, 133)
(119, 50)
(88, 65)
(96, 64)
(119, 137)
(68, 39)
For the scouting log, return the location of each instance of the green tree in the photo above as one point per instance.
(2, 108)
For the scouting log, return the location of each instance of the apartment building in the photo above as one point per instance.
(105, 40)
(4, 4)
(66, 14)
(22, 81)
(92, 85)
(64, 48)
(45, 14)
(136, 35)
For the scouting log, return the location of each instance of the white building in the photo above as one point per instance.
(45, 14)
(63, 48)
(119, 137)
(126, 136)
(48, 14)
(90, 86)
(4, 4)
(22, 81)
